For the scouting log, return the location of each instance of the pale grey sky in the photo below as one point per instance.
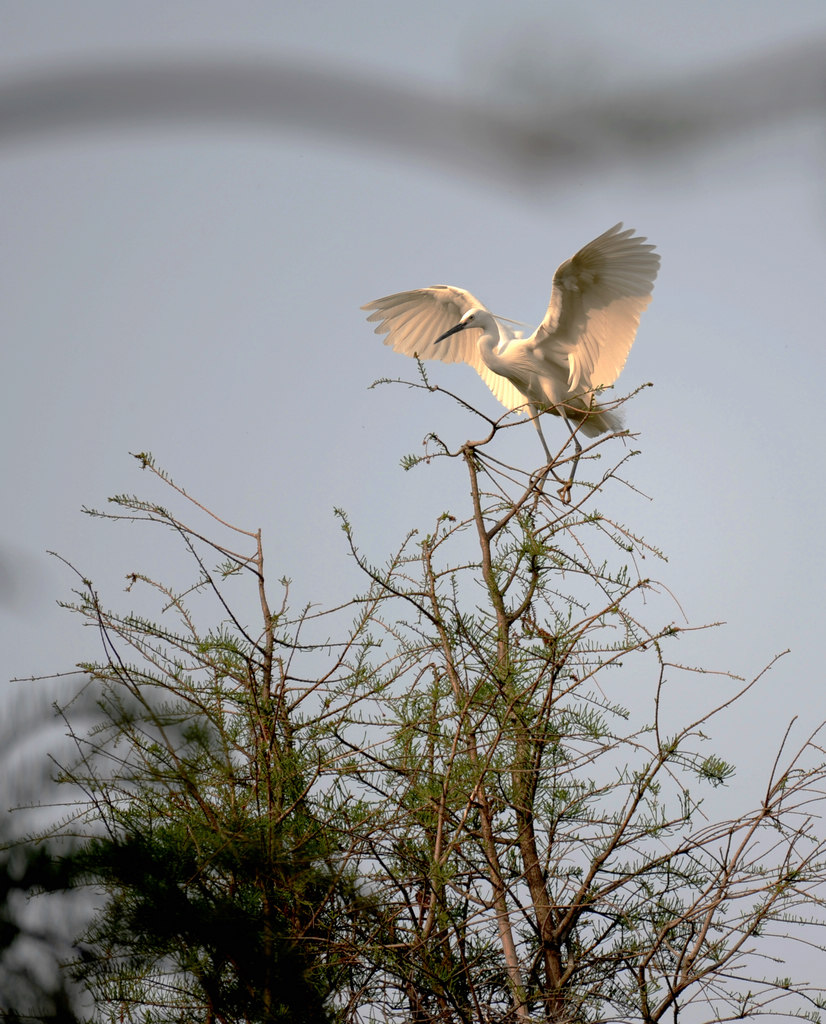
(194, 290)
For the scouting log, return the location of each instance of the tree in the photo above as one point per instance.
(443, 813)
(223, 886)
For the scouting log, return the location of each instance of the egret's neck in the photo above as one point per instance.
(488, 343)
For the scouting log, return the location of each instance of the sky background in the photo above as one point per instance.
(193, 289)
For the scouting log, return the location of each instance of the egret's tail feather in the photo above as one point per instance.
(602, 421)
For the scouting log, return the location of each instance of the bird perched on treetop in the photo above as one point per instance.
(580, 346)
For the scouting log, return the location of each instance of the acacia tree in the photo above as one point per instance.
(444, 813)
(224, 872)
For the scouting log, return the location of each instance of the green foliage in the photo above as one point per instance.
(223, 916)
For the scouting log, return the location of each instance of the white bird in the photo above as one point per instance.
(580, 346)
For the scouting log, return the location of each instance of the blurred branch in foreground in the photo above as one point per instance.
(568, 132)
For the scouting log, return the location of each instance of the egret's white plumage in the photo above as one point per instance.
(580, 346)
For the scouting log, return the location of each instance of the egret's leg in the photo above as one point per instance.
(536, 415)
(565, 491)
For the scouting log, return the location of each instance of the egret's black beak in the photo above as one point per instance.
(459, 327)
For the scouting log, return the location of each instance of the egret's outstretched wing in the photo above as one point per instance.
(414, 320)
(596, 302)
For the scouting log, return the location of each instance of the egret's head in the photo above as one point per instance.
(473, 318)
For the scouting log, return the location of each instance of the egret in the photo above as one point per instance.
(580, 346)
